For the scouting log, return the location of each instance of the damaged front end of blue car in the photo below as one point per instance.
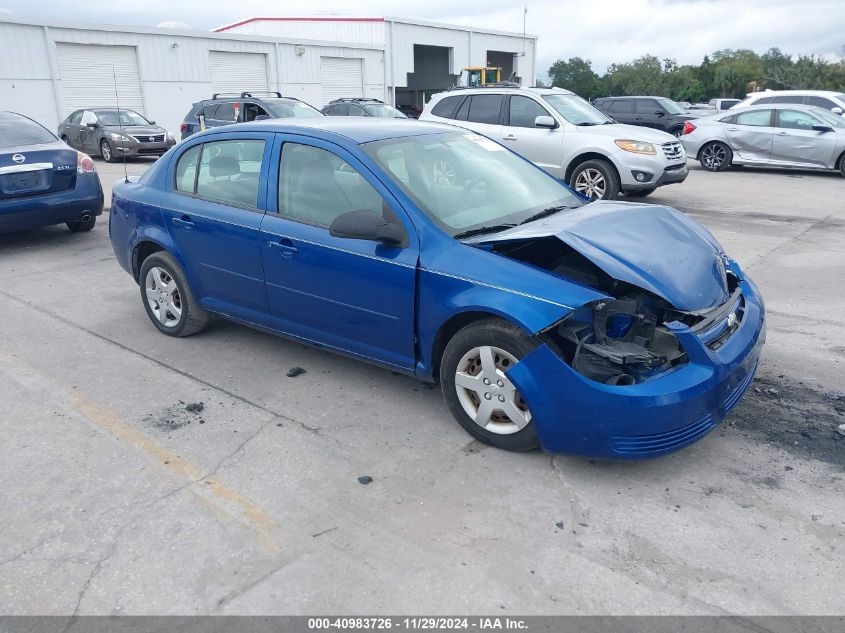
(661, 358)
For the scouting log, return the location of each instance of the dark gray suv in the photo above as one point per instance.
(114, 133)
(659, 113)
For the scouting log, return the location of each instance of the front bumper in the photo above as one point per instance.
(29, 212)
(576, 415)
(133, 148)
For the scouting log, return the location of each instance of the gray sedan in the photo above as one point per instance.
(774, 135)
(114, 133)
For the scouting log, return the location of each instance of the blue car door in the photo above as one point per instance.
(350, 294)
(213, 210)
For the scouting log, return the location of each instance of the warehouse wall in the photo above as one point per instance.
(173, 67)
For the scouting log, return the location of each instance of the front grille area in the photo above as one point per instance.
(148, 138)
(673, 150)
(659, 442)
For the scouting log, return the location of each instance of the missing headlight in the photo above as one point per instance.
(619, 341)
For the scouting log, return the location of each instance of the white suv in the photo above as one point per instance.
(833, 101)
(560, 132)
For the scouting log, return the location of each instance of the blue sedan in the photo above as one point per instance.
(43, 181)
(607, 329)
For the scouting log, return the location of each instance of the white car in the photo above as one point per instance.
(573, 141)
(833, 101)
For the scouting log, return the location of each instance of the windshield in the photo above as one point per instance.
(575, 110)
(384, 111)
(18, 130)
(127, 117)
(670, 106)
(829, 117)
(284, 108)
(465, 182)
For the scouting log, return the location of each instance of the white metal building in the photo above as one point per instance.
(50, 69)
(422, 57)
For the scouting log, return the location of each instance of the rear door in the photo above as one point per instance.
(213, 211)
(542, 146)
(796, 142)
(350, 294)
(482, 113)
(751, 134)
(624, 110)
(649, 114)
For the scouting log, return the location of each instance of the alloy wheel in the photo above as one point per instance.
(443, 172)
(713, 156)
(105, 150)
(591, 183)
(486, 394)
(163, 297)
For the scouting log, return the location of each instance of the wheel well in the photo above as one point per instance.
(447, 331)
(839, 161)
(141, 252)
(583, 158)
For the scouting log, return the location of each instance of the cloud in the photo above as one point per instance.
(604, 31)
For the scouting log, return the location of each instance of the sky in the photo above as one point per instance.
(603, 31)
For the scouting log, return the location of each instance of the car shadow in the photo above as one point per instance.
(56, 235)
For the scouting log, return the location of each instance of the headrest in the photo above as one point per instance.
(223, 166)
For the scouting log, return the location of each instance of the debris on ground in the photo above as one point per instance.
(194, 407)
(841, 429)
(365, 479)
(559, 525)
(293, 372)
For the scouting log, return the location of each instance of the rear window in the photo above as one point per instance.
(18, 130)
(445, 107)
(622, 106)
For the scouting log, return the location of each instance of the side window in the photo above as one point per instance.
(88, 117)
(728, 119)
(756, 118)
(463, 111)
(622, 106)
(186, 170)
(341, 109)
(225, 112)
(229, 170)
(356, 110)
(821, 102)
(75, 118)
(485, 108)
(648, 106)
(788, 99)
(209, 110)
(763, 101)
(795, 120)
(252, 110)
(523, 111)
(316, 186)
(445, 107)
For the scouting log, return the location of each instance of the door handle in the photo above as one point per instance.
(733, 129)
(509, 137)
(184, 222)
(783, 133)
(284, 246)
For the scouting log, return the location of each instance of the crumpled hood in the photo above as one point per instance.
(653, 247)
(629, 132)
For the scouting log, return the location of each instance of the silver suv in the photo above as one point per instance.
(560, 132)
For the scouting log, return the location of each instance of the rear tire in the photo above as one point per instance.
(596, 179)
(168, 299)
(106, 151)
(715, 156)
(640, 193)
(842, 165)
(472, 377)
(82, 226)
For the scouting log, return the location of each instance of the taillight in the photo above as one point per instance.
(689, 128)
(84, 164)
(183, 128)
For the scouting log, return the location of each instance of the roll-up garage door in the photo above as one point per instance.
(341, 77)
(89, 73)
(237, 72)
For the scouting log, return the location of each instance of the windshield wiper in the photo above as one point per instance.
(546, 212)
(483, 229)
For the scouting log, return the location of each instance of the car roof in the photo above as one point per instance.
(460, 90)
(797, 93)
(356, 129)
(634, 97)
(779, 106)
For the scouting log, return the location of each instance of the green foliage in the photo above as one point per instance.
(725, 73)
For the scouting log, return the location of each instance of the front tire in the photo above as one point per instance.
(168, 299)
(106, 151)
(82, 226)
(596, 179)
(715, 156)
(479, 394)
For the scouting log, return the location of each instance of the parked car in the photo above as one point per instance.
(362, 107)
(230, 108)
(832, 101)
(797, 136)
(606, 329)
(412, 112)
(566, 136)
(114, 133)
(723, 104)
(659, 113)
(43, 181)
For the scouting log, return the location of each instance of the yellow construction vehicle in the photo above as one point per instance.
(483, 75)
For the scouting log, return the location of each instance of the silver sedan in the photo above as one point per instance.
(774, 135)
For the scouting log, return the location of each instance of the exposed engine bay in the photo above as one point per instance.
(619, 341)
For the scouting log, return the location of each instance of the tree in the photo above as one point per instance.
(575, 74)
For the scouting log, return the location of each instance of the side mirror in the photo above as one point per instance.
(368, 225)
(93, 126)
(822, 128)
(152, 122)
(545, 121)
(837, 110)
